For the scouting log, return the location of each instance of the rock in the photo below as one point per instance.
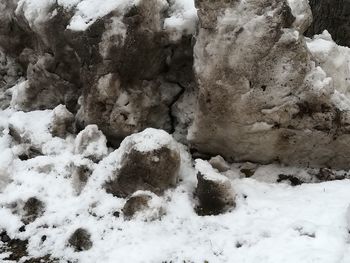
(62, 122)
(150, 161)
(294, 180)
(261, 97)
(248, 169)
(326, 174)
(91, 143)
(214, 191)
(144, 205)
(331, 15)
(80, 240)
(219, 163)
(4, 237)
(33, 208)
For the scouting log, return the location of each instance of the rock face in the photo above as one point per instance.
(261, 97)
(331, 15)
(214, 191)
(150, 161)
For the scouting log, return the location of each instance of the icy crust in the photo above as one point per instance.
(183, 15)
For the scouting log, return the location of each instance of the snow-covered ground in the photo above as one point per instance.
(271, 223)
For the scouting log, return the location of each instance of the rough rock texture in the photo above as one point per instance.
(143, 203)
(150, 161)
(261, 97)
(331, 15)
(214, 191)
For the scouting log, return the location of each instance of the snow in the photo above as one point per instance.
(271, 223)
(182, 19)
(88, 11)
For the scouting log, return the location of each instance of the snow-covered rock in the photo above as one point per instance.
(144, 205)
(214, 191)
(150, 161)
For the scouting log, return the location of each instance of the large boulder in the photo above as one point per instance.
(261, 96)
(150, 161)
